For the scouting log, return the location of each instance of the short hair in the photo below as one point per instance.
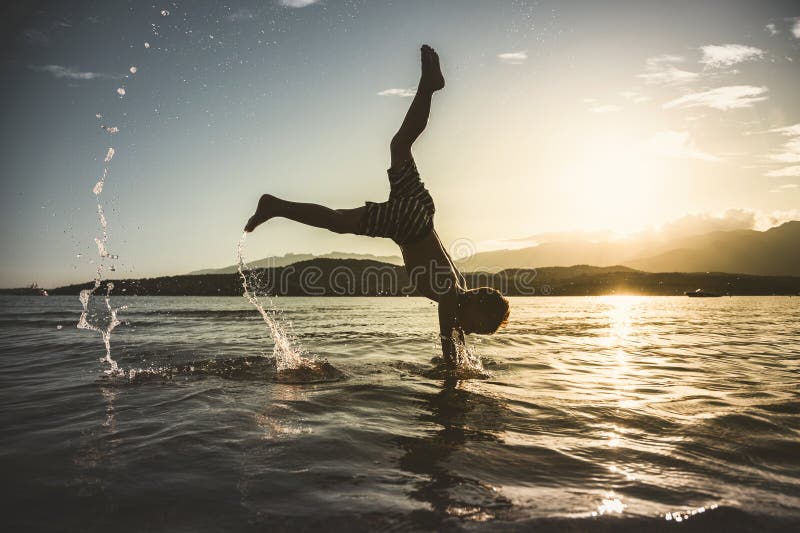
(494, 305)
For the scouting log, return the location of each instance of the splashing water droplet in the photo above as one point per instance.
(59, 326)
(286, 355)
(121, 91)
(98, 115)
(105, 324)
(164, 13)
(146, 44)
(133, 70)
(101, 247)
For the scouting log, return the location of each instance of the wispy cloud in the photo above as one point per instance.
(71, 73)
(635, 96)
(787, 130)
(722, 98)
(729, 220)
(240, 15)
(786, 187)
(37, 37)
(789, 150)
(676, 144)
(661, 70)
(784, 172)
(398, 92)
(606, 108)
(513, 58)
(297, 3)
(726, 55)
(771, 29)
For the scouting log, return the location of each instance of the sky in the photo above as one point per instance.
(594, 116)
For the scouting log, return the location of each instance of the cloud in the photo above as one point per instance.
(606, 108)
(36, 37)
(71, 73)
(787, 130)
(796, 27)
(729, 220)
(787, 187)
(789, 151)
(784, 172)
(634, 96)
(726, 55)
(398, 92)
(240, 15)
(722, 98)
(771, 29)
(661, 70)
(675, 144)
(297, 3)
(513, 58)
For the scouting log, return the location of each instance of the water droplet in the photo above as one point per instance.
(59, 326)
(133, 70)
(121, 91)
(164, 13)
(146, 44)
(98, 115)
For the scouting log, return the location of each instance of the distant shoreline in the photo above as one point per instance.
(358, 277)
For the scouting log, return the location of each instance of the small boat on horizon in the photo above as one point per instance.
(700, 293)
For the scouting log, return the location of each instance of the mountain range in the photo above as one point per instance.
(775, 252)
(290, 259)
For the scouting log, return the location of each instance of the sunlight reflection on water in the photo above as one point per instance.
(641, 410)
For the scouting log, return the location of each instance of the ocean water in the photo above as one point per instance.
(601, 414)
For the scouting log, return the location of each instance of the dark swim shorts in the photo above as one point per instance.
(408, 214)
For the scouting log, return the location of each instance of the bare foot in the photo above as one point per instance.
(264, 212)
(432, 79)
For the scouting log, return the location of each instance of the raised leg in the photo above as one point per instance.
(417, 115)
(319, 216)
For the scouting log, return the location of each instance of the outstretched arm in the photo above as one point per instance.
(461, 282)
(417, 115)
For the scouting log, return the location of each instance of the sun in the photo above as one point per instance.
(613, 182)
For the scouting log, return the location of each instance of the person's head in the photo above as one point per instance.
(482, 310)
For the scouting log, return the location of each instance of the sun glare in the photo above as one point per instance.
(613, 180)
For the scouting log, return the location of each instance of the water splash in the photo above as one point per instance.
(467, 360)
(105, 332)
(468, 364)
(287, 356)
(103, 327)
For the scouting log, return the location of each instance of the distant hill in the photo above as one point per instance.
(773, 252)
(353, 277)
(288, 259)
